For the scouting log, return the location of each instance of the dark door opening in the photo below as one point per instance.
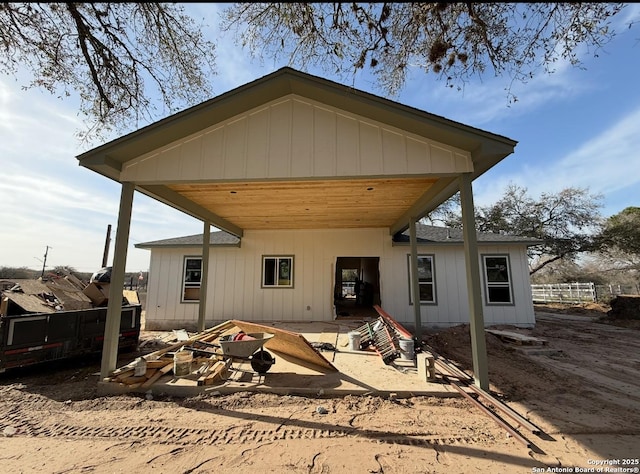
(357, 287)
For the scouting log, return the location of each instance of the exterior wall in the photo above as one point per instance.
(452, 304)
(296, 138)
(235, 275)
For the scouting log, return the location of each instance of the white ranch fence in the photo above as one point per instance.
(564, 293)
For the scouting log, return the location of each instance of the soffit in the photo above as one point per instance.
(308, 204)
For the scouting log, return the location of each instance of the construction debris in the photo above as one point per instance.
(57, 293)
(211, 363)
(384, 335)
(380, 336)
(49, 319)
(290, 345)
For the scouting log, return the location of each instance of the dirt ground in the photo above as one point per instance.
(584, 397)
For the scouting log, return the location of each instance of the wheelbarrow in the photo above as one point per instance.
(241, 346)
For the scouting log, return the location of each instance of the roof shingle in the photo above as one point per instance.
(425, 234)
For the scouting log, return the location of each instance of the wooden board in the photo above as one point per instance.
(28, 303)
(159, 373)
(215, 373)
(309, 204)
(516, 338)
(71, 298)
(288, 343)
(131, 296)
(207, 335)
(397, 326)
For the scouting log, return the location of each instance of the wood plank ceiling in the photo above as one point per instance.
(308, 204)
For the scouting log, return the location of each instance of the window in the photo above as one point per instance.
(192, 276)
(349, 277)
(497, 279)
(277, 272)
(426, 279)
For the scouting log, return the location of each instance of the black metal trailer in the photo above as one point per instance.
(34, 338)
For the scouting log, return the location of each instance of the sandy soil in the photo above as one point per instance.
(585, 398)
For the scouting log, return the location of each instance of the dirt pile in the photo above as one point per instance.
(512, 374)
(625, 307)
(582, 309)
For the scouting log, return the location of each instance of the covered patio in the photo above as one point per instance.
(294, 151)
(357, 372)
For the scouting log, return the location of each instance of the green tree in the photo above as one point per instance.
(453, 40)
(109, 55)
(567, 222)
(620, 240)
(22, 273)
(621, 232)
(64, 270)
(447, 214)
(566, 271)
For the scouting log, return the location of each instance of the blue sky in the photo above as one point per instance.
(576, 127)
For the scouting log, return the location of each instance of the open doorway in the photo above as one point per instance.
(357, 287)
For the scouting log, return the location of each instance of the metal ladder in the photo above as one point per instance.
(382, 338)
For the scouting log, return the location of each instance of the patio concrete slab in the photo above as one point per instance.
(360, 372)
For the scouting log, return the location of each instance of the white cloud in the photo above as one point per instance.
(630, 14)
(488, 99)
(606, 164)
(47, 199)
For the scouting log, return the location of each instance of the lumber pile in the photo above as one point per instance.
(210, 370)
(143, 372)
(517, 338)
(213, 371)
(69, 293)
(154, 369)
(209, 365)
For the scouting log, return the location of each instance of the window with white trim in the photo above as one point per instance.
(426, 279)
(277, 271)
(497, 278)
(191, 279)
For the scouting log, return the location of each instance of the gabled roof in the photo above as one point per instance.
(224, 160)
(426, 234)
(107, 159)
(219, 239)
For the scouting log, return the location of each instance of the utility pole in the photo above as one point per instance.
(105, 255)
(44, 264)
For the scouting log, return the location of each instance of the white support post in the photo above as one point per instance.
(114, 308)
(476, 317)
(204, 278)
(415, 285)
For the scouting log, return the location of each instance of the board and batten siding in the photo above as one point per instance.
(452, 304)
(235, 280)
(296, 138)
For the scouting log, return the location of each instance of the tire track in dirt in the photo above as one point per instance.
(617, 370)
(17, 420)
(32, 415)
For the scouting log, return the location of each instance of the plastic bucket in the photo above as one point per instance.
(140, 367)
(354, 340)
(182, 363)
(406, 349)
